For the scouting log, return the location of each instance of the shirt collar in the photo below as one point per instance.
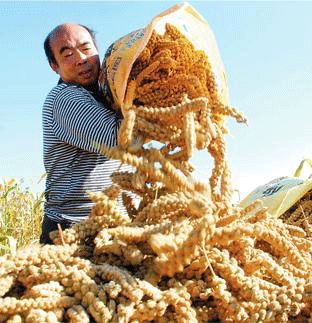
(95, 92)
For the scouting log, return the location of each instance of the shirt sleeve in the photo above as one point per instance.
(81, 121)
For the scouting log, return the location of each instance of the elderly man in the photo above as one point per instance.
(75, 123)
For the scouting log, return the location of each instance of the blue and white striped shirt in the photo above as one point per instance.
(74, 125)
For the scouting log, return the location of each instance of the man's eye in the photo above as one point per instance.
(68, 54)
(86, 48)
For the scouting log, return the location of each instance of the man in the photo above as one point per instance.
(75, 123)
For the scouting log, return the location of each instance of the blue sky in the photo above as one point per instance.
(266, 48)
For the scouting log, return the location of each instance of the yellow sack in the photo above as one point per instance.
(121, 55)
(281, 193)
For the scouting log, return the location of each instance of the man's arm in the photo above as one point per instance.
(81, 121)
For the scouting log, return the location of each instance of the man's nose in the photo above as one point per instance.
(81, 57)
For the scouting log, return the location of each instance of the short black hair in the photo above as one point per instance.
(47, 45)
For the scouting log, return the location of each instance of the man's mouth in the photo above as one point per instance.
(86, 73)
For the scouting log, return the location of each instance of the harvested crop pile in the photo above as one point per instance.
(184, 255)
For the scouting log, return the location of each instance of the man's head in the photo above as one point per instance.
(72, 53)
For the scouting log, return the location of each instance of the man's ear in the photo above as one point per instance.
(54, 67)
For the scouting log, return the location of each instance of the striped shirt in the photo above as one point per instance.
(74, 125)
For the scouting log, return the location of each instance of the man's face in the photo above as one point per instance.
(76, 55)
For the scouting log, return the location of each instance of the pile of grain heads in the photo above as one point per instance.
(185, 254)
